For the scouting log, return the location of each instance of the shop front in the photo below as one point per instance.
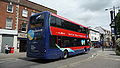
(22, 42)
(8, 37)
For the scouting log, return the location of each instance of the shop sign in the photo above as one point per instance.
(22, 35)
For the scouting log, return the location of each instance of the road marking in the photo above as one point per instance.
(113, 59)
(74, 64)
(98, 53)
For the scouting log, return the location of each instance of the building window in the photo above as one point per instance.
(9, 23)
(23, 26)
(10, 8)
(25, 13)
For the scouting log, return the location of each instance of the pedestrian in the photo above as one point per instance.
(6, 49)
(111, 45)
(103, 47)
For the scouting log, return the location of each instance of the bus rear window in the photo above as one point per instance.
(37, 21)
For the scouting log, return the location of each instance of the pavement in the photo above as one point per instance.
(12, 55)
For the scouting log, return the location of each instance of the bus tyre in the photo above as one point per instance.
(86, 51)
(65, 54)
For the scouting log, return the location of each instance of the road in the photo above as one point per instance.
(94, 59)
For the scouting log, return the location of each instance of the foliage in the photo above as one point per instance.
(117, 20)
(117, 51)
(118, 42)
(118, 23)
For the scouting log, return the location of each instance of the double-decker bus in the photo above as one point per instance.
(51, 36)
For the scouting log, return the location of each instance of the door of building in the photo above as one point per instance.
(23, 45)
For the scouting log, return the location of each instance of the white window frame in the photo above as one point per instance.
(8, 8)
(22, 27)
(9, 24)
(24, 13)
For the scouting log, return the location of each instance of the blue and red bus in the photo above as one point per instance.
(51, 36)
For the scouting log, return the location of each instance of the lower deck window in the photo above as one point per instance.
(67, 41)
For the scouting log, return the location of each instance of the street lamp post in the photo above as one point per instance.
(113, 26)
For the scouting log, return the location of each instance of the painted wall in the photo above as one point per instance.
(15, 44)
(0, 42)
(10, 34)
(94, 36)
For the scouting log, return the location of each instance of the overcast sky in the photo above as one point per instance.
(86, 12)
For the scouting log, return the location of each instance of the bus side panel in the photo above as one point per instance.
(50, 53)
(78, 51)
(53, 54)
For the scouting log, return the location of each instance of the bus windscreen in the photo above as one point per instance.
(37, 21)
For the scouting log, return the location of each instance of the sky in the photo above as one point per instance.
(90, 13)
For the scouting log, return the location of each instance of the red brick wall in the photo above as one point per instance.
(4, 14)
(21, 8)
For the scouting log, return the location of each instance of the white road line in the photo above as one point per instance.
(113, 59)
(74, 64)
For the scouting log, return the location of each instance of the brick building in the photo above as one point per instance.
(14, 17)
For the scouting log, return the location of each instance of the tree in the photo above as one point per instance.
(117, 26)
(117, 51)
(117, 20)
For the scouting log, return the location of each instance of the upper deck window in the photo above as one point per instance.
(60, 23)
(37, 21)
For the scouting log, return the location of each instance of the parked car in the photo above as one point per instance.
(96, 45)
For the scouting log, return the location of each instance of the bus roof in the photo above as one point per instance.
(67, 19)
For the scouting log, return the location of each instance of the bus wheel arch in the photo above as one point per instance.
(65, 54)
(85, 50)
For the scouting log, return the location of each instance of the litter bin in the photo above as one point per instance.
(11, 49)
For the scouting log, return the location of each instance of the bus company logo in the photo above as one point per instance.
(30, 34)
(38, 30)
(83, 42)
(33, 47)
